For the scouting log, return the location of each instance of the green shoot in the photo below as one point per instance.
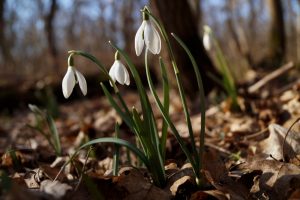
(44, 118)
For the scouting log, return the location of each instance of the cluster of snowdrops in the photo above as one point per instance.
(152, 144)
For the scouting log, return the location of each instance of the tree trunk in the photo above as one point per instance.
(5, 50)
(49, 21)
(177, 17)
(237, 33)
(127, 25)
(277, 33)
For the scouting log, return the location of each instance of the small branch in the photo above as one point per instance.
(220, 149)
(253, 88)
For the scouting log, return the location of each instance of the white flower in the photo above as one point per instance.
(207, 40)
(147, 34)
(118, 72)
(70, 79)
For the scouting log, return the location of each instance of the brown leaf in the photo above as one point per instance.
(178, 183)
(199, 195)
(55, 188)
(138, 185)
(276, 180)
(181, 182)
(273, 144)
(34, 177)
(217, 174)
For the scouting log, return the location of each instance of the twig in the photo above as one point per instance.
(253, 88)
(257, 136)
(222, 150)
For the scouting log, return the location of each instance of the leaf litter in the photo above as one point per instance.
(244, 156)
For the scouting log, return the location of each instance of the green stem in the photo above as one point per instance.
(116, 153)
(179, 83)
(202, 100)
(228, 79)
(149, 127)
(154, 137)
(168, 120)
(145, 104)
(166, 91)
(98, 64)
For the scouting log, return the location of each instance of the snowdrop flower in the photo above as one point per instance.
(118, 71)
(207, 40)
(147, 34)
(71, 78)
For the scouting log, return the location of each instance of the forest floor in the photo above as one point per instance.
(249, 154)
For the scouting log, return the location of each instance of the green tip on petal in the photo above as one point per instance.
(207, 29)
(71, 60)
(145, 13)
(117, 55)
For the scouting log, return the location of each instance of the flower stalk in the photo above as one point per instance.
(197, 160)
(150, 148)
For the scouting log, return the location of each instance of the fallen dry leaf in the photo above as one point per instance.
(199, 195)
(217, 174)
(273, 144)
(55, 188)
(144, 189)
(273, 179)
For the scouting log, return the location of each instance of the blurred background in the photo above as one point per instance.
(35, 36)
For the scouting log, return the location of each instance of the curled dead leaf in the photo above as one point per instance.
(273, 144)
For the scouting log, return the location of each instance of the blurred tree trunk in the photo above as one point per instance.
(197, 10)
(252, 19)
(298, 36)
(128, 25)
(237, 32)
(5, 50)
(177, 17)
(277, 33)
(49, 29)
(71, 38)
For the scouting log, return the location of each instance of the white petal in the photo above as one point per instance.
(157, 41)
(82, 82)
(139, 40)
(152, 38)
(112, 73)
(68, 82)
(127, 78)
(207, 41)
(120, 72)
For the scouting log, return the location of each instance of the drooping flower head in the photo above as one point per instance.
(118, 71)
(207, 40)
(72, 77)
(147, 34)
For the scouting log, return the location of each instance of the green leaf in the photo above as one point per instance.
(116, 152)
(202, 98)
(114, 104)
(5, 182)
(42, 117)
(145, 104)
(16, 161)
(166, 91)
(118, 141)
(167, 118)
(54, 134)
